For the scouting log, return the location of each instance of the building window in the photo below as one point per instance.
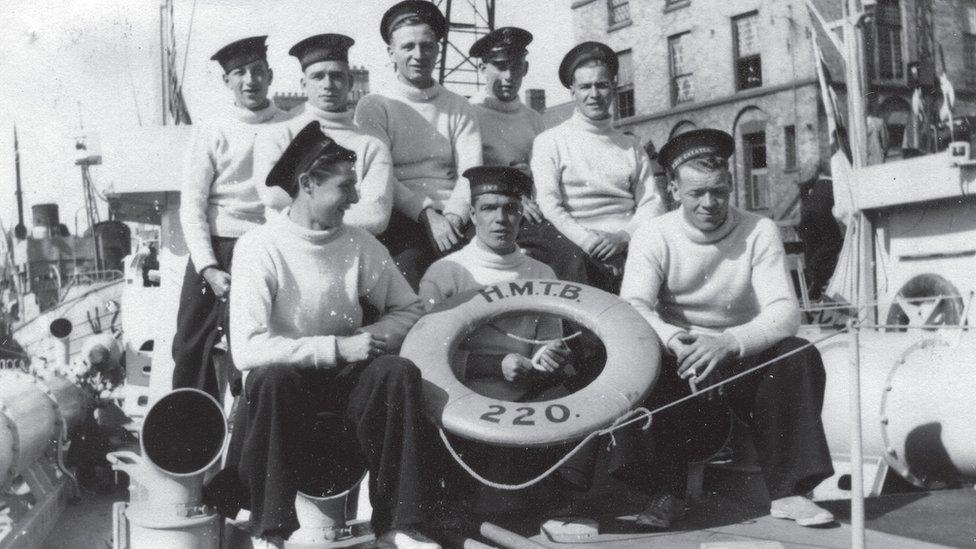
(884, 45)
(748, 61)
(789, 145)
(681, 87)
(675, 4)
(757, 175)
(625, 84)
(619, 12)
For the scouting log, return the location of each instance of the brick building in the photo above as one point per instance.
(747, 67)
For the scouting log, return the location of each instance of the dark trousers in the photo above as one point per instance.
(412, 247)
(781, 403)
(200, 323)
(316, 431)
(543, 242)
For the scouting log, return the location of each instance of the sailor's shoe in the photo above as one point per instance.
(661, 511)
(801, 509)
(405, 539)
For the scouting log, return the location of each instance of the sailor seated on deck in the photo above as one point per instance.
(296, 332)
(711, 281)
(499, 359)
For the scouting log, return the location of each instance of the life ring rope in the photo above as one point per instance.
(628, 418)
(531, 341)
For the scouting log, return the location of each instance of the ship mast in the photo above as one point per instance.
(20, 231)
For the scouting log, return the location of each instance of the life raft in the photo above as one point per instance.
(633, 362)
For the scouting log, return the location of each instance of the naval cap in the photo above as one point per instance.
(412, 12)
(308, 146)
(322, 47)
(587, 51)
(693, 144)
(241, 52)
(501, 44)
(498, 179)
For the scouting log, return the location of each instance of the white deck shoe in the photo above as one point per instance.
(405, 539)
(801, 509)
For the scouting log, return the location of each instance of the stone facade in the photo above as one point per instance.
(779, 124)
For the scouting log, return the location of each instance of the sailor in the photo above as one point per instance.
(433, 137)
(218, 204)
(499, 360)
(326, 81)
(710, 279)
(594, 183)
(324, 396)
(516, 358)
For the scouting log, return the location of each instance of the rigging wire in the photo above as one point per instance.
(186, 49)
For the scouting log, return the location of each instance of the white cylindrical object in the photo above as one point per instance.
(29, 422)
(147, 530)
(857, 457)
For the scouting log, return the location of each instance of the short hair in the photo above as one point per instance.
(705, 164)
(592, 63)
(323, 167)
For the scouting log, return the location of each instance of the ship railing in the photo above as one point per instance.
(88, 278)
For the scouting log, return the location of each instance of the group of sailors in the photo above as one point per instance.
(311, 233)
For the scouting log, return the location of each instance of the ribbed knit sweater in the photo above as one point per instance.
(295, 290)
(470, 268)
(218, 197)
(508, 129)
(732, 279)
(433, 138)
(589, 175)
(374, 167)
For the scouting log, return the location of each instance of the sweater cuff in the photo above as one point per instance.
(458, 209)
(749, 344)
(326, 352)
(206, 260)
(413, 206)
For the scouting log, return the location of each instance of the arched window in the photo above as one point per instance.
(751, 144)
(684, 126)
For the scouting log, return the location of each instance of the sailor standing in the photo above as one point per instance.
(326, 80)
(218, 204)
(593, 182)
(433, 138)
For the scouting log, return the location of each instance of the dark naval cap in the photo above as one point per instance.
(587, 51)
(501, 44)
(498, 179)
(309, 145)
(240, 53)
(686, 146)
(412, 12)
(322, 47)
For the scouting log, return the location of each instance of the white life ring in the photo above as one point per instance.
(633, 362)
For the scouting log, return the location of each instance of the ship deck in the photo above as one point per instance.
(732, 514)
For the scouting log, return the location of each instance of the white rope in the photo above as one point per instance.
(631, 416)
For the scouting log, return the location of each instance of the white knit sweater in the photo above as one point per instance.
(374, 167)
(218, 196)
(470, 268)
(731, 280)
(433, 137)
(589, 175)
(296, 289)
(508, 129)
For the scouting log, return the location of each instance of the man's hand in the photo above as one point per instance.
(606, 245)
(218, 280)
(698, 355)
(360, 347)
(530, 210)
(445, 230)
(516, 367)
(552, 357)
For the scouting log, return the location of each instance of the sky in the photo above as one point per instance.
(94, 64)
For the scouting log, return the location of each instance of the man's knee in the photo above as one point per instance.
(804, 360)
(394, 369)
(276, 379)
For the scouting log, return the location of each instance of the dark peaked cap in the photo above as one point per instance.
(410, 12)
(309, 145)
(240, 53)
(503, 43)
(322, 47)
(686, 146)
(498, 179)
(587, 51)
